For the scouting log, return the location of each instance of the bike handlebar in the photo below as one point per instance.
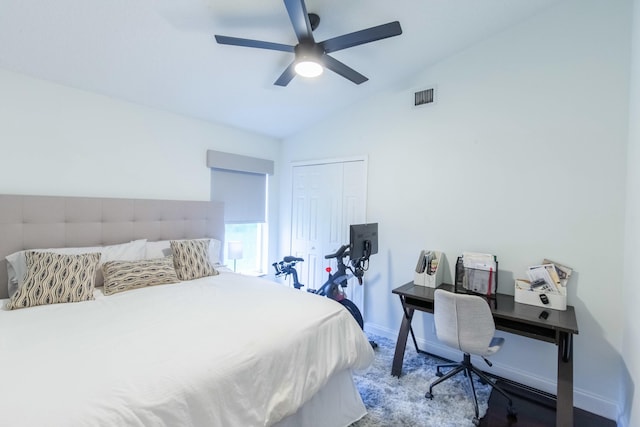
(340, 253)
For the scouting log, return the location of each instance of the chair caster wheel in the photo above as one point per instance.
(439, 374)
(428, 395)
(512, 414)
(476, 422)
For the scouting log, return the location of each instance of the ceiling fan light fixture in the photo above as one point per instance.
(311, 57)
(308, 68)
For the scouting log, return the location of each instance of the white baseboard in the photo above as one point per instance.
(582, 399)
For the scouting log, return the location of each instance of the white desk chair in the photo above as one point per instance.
(465, 322)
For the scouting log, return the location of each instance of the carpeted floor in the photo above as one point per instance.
(400, 402)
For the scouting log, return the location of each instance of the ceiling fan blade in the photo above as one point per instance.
(288, 75)
(235, 41)
(361, 37)
(299, 19)
(345, 71)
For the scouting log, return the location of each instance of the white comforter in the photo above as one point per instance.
(222, 351)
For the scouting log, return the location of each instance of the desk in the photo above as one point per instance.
(509, 316)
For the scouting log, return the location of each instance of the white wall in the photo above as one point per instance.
(60, 141)
(523, 156)
(631, 290)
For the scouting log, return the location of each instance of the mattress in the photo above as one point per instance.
(226, 350)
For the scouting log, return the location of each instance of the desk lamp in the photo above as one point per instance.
(234, 252)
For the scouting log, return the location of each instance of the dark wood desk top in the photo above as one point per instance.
(509, 316)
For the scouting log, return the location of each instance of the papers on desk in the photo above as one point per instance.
(429, 269)
(544, 278)
(549, 277)
(477, 273)
(546, 285)
(562, 271)
(479, 261)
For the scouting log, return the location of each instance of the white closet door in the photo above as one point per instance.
(326, 199)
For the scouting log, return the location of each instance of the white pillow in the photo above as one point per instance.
(158, 249)
(162, 248)
(132, 251)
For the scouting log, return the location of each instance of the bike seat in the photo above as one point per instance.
(290, 258)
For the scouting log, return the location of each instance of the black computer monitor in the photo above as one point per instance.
(363, 240)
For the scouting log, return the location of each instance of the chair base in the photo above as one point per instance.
(467, 368)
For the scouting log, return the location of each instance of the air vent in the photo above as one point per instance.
(424, 97)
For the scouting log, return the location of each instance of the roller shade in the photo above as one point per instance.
(241, 183)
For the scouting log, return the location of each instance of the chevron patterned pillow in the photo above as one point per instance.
(120, 276)
(56, 278)
(191, 259)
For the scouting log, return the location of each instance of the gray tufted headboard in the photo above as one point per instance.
(30, 222)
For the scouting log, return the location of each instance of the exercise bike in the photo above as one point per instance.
(334, 286)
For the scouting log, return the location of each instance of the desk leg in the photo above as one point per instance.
(401, 344)
(564, 403)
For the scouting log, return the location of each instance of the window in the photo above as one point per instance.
(241, 183)
(253, 240)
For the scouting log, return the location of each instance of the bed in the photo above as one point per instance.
(219, 350)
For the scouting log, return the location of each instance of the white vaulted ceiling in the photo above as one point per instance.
(162, 54)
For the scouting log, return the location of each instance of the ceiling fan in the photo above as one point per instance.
(311, 56)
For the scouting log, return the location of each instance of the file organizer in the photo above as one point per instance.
(524, 294)
(423, 275)
(477, 281)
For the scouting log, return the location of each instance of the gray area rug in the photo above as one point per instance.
(398, 402)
